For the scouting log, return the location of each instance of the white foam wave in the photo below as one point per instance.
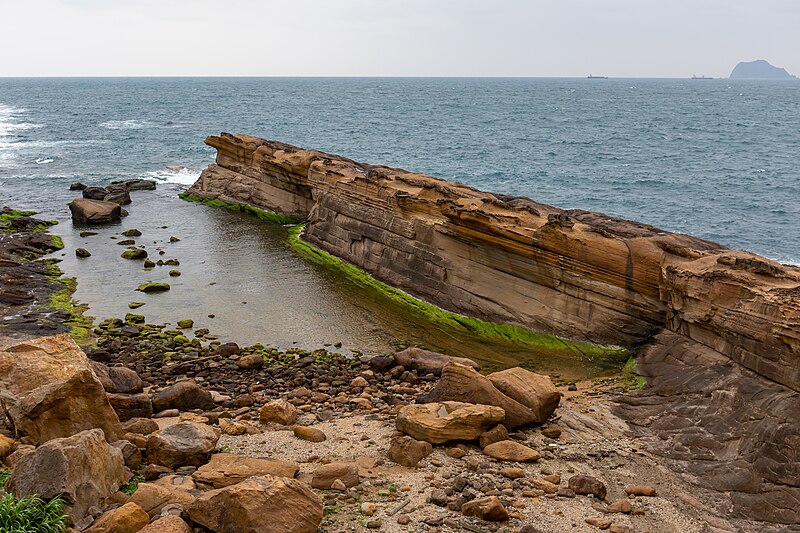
(176, 174)
(127, 124)
(44, 160)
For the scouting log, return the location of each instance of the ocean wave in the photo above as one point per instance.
(176, 174)
(44, 160)
(136, 125)
(9, 124)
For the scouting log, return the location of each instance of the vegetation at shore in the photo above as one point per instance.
(437, 315)
(79, 324)
(32, 515)
(244, 208)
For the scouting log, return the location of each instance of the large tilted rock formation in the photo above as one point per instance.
(579, 274)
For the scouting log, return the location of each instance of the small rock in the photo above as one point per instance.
(640, 490)
(278, 412)
(368, 508)
(496, 434)
(598, 522)
(551, 432)
(403, 519)
(82, 252)
(489, 508)
(512, 472)
(509, 450)
(586, 485)
(620, 528)
(325, 476)
(186, 323)
(250, 362)
(408, 451)
(359, 382)
(309, 433)
(134, 253)
(174, 273)
(621, 506)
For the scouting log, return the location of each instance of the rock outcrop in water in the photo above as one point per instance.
(579, 274)
(719, 329)
(759, 70)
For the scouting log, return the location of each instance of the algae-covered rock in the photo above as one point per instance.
(135, 305)
(87, 233)
(186, 323)
(127, 242)
(149, 264)
(132, 233)
(172, 262)
(134, 253)
(153, 286)
(174, 239)
(82, 252)
(138, 319)
(174, 273)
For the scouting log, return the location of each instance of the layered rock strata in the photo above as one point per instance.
(580, 274)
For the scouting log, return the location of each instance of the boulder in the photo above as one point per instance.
(286, 505)
(50, 390)
(167, 524)
(232, 427)
(460, 383)
(442, 422)
(225, 469)
(130, 453)
(129, 518)
(7, 447)
(118, 197)
(182, 444)
(424, 361)
(83, 469)
(496, 434)
(153, 498)
(95, 212)
(94, 193)
(325, 475)
(408, 451)
(183, 396)
(508, 450)
(278, 412)
(140, 185)
(489, 508)
(118, 379)
(309, 433)
(534, 391)
(128, 406)
(250, 362)
(142, 426)
(586, 485)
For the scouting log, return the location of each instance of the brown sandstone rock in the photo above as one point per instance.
(7, 446)
(585, 485)
(232, 427)
(153, 498)
(424, 361)
(287, 505)
(183, 396)
(250, 362)
(278, 412)
(83, 469)
(309, 433)
(128, 406)
(446, 421)
(129, 518)
(118, 379)
(407, 451)
(508, 450)
(599, 522)
(496, 434)
(325, 475)
(489, 508)
(182, 444)
(142, 426)
(460, 383)
(167, 524)
(50, 390)
(130, 453)
(86, 211)
(225, 469)
(621, 506)
(535, 391)
(640, 490)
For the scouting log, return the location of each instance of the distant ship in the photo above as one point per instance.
(591, 77)
(701, 78)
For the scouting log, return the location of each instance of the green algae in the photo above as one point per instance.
(505, 332)
(79, 324)
(244, 208)
(630, 379)
(153, 286)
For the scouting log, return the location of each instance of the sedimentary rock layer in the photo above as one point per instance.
(579, 274)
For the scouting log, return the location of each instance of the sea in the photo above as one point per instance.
(717, 159)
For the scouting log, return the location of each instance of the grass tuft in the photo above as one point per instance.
(32, 515)
(130, 487)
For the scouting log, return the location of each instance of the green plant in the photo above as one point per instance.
(130, 487)
(245, 208)
(31, 515)
(5, 473)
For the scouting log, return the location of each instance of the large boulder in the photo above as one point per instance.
(258, 504)
(325, 475)
(182, 444)
(154, 497)
(424, 361)
(95, 211)
(83, 469)
(128, 406)
(167, 524)
(460, 383)
(226, 469)
(445, 421)
(50, 390)
(129, 518)
(534, 391)
(118, 379)
(183, 396)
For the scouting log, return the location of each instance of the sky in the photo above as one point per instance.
(627, 38)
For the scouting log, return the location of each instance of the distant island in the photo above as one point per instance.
(759, 70)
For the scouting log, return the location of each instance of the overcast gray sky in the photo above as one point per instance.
(660, 38)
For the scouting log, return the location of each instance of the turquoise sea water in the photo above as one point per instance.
(714, 158)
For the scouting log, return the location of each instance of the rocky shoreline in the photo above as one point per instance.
(175, 425)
